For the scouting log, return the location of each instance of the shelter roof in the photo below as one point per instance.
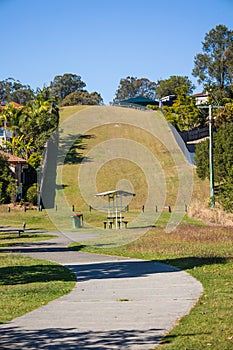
(115, 193)
(141, 100)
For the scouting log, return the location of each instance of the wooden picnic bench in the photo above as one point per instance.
(122, 222)
(14, 229)
(108, 223)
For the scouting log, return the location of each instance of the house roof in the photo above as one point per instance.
(15, 104)
(200, 94)
(12, 159)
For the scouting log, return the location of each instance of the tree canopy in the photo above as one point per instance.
(183, 114)
(12, 90)
(82, 97)
(63, 85)
(132, 87)
(31, 126)
(214, 65)
(165, 87)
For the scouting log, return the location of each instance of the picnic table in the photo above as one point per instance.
(115, 208)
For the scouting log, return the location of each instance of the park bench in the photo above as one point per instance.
(14, 229)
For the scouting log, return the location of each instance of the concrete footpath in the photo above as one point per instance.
(117, 303)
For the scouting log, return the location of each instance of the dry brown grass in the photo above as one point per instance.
(215, 216)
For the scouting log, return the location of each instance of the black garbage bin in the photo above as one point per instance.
(77, 220)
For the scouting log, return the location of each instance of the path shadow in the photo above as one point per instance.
(115, 269)
(72, 339)
(131, 269)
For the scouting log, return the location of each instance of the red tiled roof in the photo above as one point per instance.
(200, 94)
(15, 104)
(12, 159)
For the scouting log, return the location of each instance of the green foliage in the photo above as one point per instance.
(82, 98)
(5, 179)
(13, 90)
(228, 58)
(35, 160)
(223, 153)
(132, 87)
(223, 115)
(213, 66)
(201, 159)
(32, 194)
(12, 190)
(223, 164)
(225, 195)
(31, 125)
(219, 96)
(165, 87)
(154, 107)
(63, 85)
(183, 114)
(39, 120)
(10, 116)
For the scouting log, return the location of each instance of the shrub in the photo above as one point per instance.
(32, 194)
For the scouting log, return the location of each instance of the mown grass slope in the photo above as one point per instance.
(122, 172)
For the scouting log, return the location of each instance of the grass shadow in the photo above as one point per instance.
(71, 147)
(13, 275)
(192, 262)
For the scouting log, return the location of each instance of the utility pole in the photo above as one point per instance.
(211, 158)
(211, 153)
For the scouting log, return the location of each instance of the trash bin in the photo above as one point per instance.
(77, 220)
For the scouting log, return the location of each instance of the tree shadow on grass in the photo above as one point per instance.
(13, 275)
(71, 147)
(181, 263)
(131, 269)
(191, 262)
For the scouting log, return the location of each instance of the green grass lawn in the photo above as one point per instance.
(206, 253)
(27, 283)
(10, 239)
(33, 218)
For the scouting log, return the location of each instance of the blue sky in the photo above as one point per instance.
(105, 40)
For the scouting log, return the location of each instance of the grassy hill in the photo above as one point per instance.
(104, 148)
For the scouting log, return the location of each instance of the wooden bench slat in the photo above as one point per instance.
(14, 230)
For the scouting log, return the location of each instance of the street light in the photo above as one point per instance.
(211, 158)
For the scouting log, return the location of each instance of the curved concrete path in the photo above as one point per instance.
(117, 303)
